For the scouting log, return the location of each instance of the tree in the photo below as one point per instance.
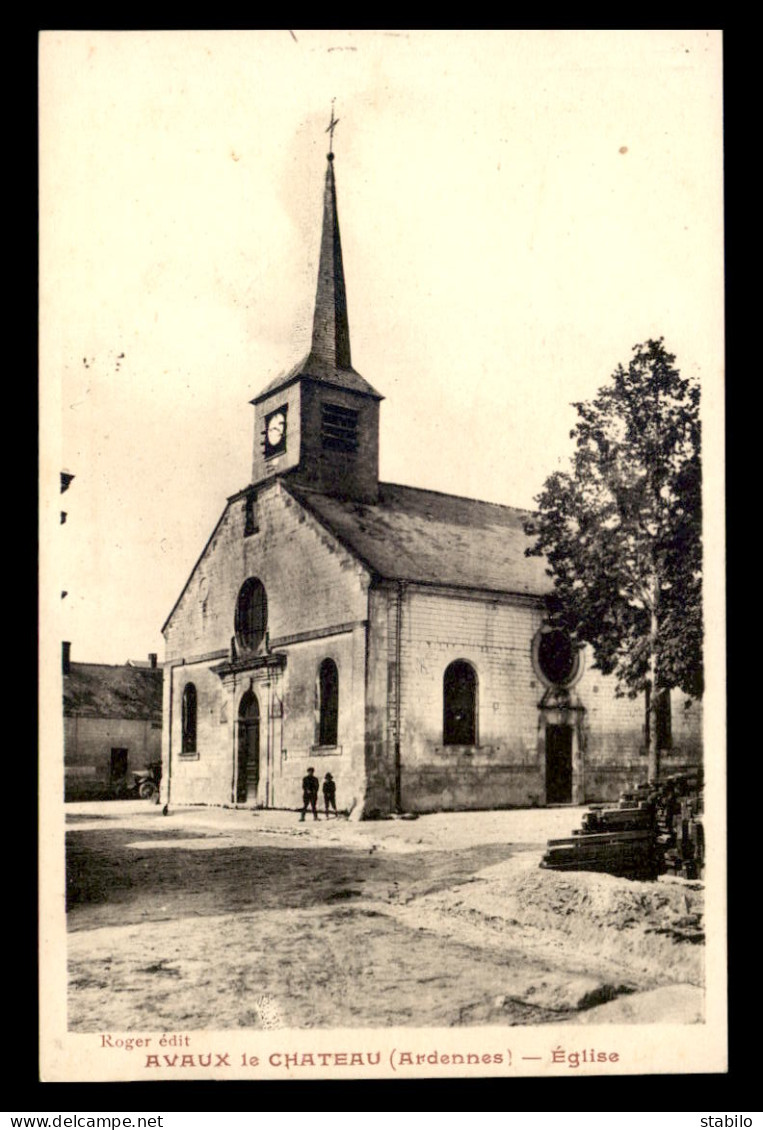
(621, 532)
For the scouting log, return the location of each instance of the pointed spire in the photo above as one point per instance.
(331, 328)
(329, 361)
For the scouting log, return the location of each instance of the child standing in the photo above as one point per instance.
(329, 793)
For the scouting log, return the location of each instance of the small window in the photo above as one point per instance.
(251, 615)
(251, 525)
(189, 719)
(459, 694)
(339, 428)
(328, 703)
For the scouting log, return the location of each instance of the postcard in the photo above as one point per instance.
(382, 554)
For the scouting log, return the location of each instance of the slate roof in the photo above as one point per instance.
(316, 368)
(432, 538)
(329, 360)
(97, 690)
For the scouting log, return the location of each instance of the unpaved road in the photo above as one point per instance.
(223, 919)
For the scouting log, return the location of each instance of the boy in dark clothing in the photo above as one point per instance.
(329, 793)
(310, 793)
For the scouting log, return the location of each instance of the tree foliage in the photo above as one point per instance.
(621, 531)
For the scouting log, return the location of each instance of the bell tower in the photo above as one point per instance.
(319, 422)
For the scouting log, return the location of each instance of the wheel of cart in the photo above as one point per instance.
(148, 791)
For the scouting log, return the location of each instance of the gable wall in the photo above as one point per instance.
(311, 582)
(315, 589)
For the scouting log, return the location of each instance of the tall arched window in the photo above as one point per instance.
(328, 703)
(459, 695)
(251, 615)
(189, 719)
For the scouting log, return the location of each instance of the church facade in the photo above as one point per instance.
(394, 637)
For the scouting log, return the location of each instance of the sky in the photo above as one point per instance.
(517, 209)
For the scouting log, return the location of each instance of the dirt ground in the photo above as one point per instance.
(213, 918)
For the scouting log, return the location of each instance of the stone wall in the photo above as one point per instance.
(88, 743)
(317, 608)
(290, 400)
(349, 474)
(506, 766)
(320, 606)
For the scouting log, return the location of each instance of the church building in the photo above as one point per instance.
(392, 636)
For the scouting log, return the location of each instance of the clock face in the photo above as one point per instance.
(276, 429)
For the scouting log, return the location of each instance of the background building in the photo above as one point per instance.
(112, 725)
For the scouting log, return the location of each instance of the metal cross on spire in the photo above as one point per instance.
(330, 129)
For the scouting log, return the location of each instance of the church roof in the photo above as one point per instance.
(432, 538)
(99, 690)
(319, 369)
(329, 360)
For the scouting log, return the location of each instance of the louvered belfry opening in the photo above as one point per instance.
(339, 428)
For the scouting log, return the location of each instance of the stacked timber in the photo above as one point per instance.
(632, 854)
(653, 829)
(680, 828)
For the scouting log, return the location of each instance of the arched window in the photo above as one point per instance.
(251, 615)
(459, 695)
(328, 703)
(189, 719)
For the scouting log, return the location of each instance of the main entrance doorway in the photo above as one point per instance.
(558, 764)
(248, 777)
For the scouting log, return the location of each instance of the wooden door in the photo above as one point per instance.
(117, 767)
(248, 748)
(558, 764)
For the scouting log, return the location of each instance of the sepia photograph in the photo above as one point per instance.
(382, 559)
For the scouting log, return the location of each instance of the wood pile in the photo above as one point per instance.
(654, 829)
(680, 829)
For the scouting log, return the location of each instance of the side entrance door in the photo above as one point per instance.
(558, 764)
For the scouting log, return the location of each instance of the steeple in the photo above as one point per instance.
(329, 360)
(318, 423)
(331, 328)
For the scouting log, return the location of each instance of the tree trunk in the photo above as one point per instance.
(652, 751)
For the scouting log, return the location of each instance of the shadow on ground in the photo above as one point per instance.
(221, 927)
(109, 882)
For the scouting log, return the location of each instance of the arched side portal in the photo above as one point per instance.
(558, 662)
(248, 776)
(561, 745)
